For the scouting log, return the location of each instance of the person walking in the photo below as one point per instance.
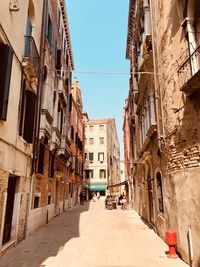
(98, 195)
(81, 198)
(123, 203)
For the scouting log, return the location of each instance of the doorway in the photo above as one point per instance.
(150, 196)
(56, 204)
(9, 209)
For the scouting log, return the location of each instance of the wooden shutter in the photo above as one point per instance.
(58, 61)
(29, 116)
(22, 106)
(47, 20)
(70, 103)
(40, 166)
(5, 73)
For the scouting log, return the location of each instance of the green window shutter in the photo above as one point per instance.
(5, 74)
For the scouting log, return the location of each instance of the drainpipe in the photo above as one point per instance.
(190, 245)
(37, 121)
(160, 126)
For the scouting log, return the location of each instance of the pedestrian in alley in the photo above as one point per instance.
(81, 198)
(120, 198)
(93, 196)
(98, 195)
(123, 203)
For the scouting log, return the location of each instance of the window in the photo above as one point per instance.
(58, 62)
(91, 141)
(40, 163)
(73, 163)
(70, 103)
(101, 127)
(102, 174)
(159, 192)
(91, 128)
(88, 174)
(5, 73)
(51, 165)
(72, 132)
(76, 166)
(91, 156)
(36, 203)
(58, 18)
(86, 156)
(49, 30)
(101, 140)
(49, 199)
(27, 113)
(64, 47)
(101, 156)
(60, 117)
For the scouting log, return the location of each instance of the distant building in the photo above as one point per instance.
(101, 155)
(76, 145)
(122, 176)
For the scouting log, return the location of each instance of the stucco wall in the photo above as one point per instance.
(182, 203)
(41, 216)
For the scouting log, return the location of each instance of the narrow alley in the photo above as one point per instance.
(91, 236)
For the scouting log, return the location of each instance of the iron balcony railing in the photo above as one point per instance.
(189, 67)
(31, 52)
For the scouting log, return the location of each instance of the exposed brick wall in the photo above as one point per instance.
(3, 188)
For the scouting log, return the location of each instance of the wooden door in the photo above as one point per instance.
(9, 209)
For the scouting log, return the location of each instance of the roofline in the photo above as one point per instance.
(98, 121)
(130, 29)
(66, 26)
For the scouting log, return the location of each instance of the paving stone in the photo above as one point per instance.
(90, 236)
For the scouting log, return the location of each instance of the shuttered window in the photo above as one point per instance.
(5, 73)
(40, 166)
(27, 114)
(49, 32)
(101, 156)
(70, 103)
(58, 61)
(91, 156)
(51, 165)
(102, 174)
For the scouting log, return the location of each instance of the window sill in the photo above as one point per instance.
(152, 130)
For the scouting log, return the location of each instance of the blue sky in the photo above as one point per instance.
(98, 30)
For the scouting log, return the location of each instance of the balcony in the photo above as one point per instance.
(61, 92)
(189, 73)
(31, 59)
(64, 149)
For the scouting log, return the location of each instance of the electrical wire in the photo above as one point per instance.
(106, 73)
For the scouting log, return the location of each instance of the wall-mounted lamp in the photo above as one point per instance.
(14, 5)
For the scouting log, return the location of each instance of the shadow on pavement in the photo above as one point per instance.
(46, 242)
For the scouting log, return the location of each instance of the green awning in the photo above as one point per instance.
(96, 187)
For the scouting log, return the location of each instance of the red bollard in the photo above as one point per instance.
(171, 242)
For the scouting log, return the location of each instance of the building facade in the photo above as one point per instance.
(19, 95)
(35, 110)
(77, 145)
(164, 102)
(50, 180)
(122, 176)
(101, 155)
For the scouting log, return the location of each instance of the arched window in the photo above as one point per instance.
(159, 192)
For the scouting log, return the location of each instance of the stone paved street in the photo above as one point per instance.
(90, 236)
